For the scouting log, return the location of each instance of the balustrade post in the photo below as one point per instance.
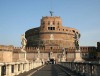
(0, 69)
(74, 66)
(70, 65)
(80, 67)
(8, 70)
(35, 64)
(29, 66)
(16, 69)
(21, 68)
(64, 64)
(88, 69)
(26, 67)
(32, 65)
(83, 68)
(97, 70)
(67, 64)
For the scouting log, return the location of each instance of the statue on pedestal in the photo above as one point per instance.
(38, 60)
(77, 52)
(22, 53)
(23, 42)
(38, 50)
(63, 55)
(77, 36)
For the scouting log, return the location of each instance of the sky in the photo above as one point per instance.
(17, 16)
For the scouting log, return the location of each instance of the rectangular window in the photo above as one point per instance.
(51, 28)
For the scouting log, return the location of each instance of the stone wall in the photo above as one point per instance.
(6, 56)
(45, 56)
(15, 57)
(5, 47)
(70, 56)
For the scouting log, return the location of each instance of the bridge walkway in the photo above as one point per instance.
(50, 70)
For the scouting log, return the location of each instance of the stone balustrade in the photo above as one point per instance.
(84, 68)
(15, 68)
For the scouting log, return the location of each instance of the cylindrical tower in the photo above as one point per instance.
(51, 34)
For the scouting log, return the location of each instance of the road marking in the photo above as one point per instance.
(35, 71)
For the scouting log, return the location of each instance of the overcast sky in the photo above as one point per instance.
(17, 16)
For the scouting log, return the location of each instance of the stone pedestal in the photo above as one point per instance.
(63, 59)
(38, 60)
(78, 57)
(22, 56)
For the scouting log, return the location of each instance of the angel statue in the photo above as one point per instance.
(77, 36)
(24, 41)
(38, 50)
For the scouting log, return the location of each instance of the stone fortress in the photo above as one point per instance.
(51, 37)
(53, 40)
(51, 34)
(49, 42)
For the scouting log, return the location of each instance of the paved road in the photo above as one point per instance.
(50, 70)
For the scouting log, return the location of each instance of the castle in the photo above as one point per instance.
(51, 38)
(51, 35)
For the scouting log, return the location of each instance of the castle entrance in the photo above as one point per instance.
(52, 61)
(51, 58)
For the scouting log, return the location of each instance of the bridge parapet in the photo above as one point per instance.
(15, 68)
(84, 68)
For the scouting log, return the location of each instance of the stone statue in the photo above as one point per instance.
(63, 59)
(38, 52)
(24, 41)
(51, 13)
(51, 37)
(77, 36)
(63, 51)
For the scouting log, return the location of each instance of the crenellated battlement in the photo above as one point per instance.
(83, 49)
(6, 47)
